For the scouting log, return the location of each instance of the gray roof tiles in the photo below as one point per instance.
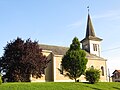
(60, 50)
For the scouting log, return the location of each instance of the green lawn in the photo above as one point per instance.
(60, 86)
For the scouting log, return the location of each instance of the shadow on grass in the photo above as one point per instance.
(93, 88)
(86, 82)
(116, 88)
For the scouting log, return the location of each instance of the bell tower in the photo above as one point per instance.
(91, 43)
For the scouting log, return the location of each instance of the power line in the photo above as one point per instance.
(111, 49)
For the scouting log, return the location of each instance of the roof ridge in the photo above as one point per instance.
(54, 45)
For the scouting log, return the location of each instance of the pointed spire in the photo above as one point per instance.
(89, 29)
(90, 34)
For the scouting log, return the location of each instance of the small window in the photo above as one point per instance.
(95, 47)
(92, 66)
(61, 69)
(102, 69)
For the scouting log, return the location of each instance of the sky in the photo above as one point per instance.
(57, 22)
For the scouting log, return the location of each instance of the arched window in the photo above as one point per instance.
(92, 66)
(102, 69)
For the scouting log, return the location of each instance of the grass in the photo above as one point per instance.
(61, 86)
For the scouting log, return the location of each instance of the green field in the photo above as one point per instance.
(60, 86)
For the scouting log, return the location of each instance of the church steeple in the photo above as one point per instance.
(89, 29)
(91, 43)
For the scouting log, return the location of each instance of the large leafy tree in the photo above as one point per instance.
(21, 59)
(74, 61)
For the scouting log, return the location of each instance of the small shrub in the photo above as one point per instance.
(92, 75)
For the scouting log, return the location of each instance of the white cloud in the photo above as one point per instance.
(111, 15)
(74, 25)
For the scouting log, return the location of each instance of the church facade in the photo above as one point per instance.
(92, 46)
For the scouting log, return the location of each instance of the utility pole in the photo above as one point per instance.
(109, 74)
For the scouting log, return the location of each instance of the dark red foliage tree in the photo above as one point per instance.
(21, 59)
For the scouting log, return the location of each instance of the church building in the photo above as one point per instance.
(92, 46)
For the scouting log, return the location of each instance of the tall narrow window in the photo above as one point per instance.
(95, 47)
(61, 69)
(102, 69)
(98, 48)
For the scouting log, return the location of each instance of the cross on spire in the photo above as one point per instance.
(88, 9)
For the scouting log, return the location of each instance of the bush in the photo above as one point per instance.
(92, 75)
(0, 79)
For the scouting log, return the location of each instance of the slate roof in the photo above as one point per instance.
(91, 38)
(90, 34)
(57, 50)
(116, 71)
(89, 29)
(60, 50)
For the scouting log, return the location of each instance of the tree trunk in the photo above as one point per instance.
(75, 80)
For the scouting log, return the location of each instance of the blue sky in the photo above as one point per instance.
(57, 22)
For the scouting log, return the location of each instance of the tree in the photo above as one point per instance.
(74, 61)
(92, 75)
(21, 59)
